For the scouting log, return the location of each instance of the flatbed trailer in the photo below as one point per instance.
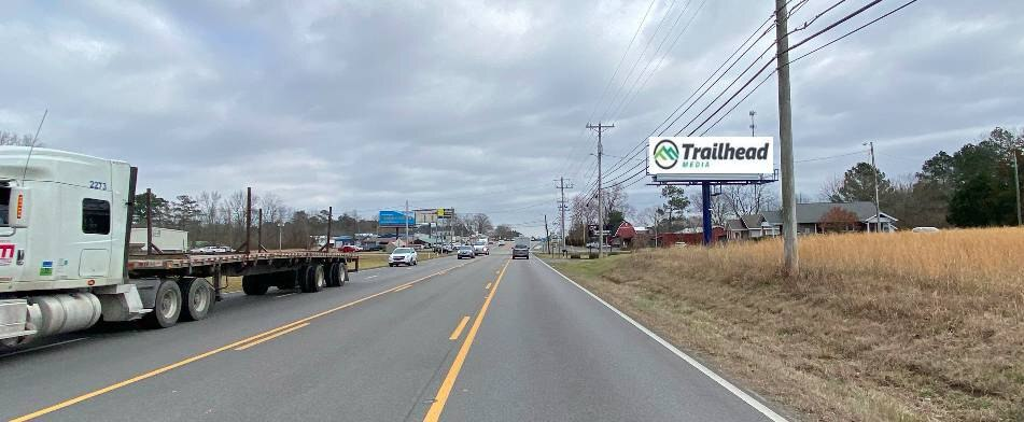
(218, 266)
(65, 227)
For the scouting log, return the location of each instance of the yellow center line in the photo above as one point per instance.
(400, 288)
(434, 414)
(488, 286)
(458, 328)
(158, 371)
(271, 337)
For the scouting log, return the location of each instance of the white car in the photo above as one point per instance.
(211, 249)
(481, 249)
(400, 256)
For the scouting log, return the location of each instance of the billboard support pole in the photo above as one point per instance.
(705, 196)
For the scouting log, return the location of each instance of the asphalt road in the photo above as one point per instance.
(474, 340)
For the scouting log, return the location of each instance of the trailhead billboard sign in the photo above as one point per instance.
(710, 158)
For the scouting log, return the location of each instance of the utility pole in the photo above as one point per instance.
(752, 125)
(562, 208)
(1016, 183)
(406, 217)
(547, 234)
(791, 258)
(878, 208)
(600, 187)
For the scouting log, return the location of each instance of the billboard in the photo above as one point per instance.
(395, 219)
(710, 158)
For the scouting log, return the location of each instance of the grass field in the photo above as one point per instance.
(367, 261)
(877, 327)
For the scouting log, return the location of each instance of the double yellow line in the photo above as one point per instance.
(434, 414)
(238, 345)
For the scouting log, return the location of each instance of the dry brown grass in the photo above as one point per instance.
(877, 327)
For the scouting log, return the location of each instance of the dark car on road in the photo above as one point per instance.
(466, 252)
(520, 251)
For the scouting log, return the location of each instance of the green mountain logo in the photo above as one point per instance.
(666, 154)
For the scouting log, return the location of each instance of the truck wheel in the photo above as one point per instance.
(197, 298)
(167, 306)
(253, 285)
(344, 273)
(315, 279)
(333, 275)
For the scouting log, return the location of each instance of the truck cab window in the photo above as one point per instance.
(95, 216)
(5, 205)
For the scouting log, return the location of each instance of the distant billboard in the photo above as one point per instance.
(395, 219)
(710, 158)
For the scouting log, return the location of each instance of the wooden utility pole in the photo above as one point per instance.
(562, 208)
(600, 187)
(791, 259)
(547, 234)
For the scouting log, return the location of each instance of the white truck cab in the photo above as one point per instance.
(63, 224)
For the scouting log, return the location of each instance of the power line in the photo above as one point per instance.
(632, 68)
(608, 85)
(871, 22)
(622, 178)
(633, 91)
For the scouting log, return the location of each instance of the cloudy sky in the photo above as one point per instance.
(481, 105)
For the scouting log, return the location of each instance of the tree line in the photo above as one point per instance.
(212, 218)
(972, 187)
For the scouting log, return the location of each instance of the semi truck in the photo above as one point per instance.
(65, 229)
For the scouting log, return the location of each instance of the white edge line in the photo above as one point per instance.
(765, 410)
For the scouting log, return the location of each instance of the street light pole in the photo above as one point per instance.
(878, 208)
(280, 226)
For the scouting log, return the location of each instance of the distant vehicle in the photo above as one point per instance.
(480, 248)
(501, 243)
(520, 251)
(372, 247)
(466, 252)
(212, 249)
(350, 249)
(592, 245)
(401, 256)
(925, 230)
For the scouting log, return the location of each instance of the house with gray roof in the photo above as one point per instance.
(813, 218)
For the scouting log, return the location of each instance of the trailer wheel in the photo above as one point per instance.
(344, 273)
(167, 306)
(335, 278)
(253, 285)
(197, 298)
(315, 279)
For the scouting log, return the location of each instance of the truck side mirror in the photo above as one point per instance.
(18, 207)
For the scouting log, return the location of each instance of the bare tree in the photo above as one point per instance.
(10, 138)
(481, 223)
(831, 188)
(719, 207)
(748, 199)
